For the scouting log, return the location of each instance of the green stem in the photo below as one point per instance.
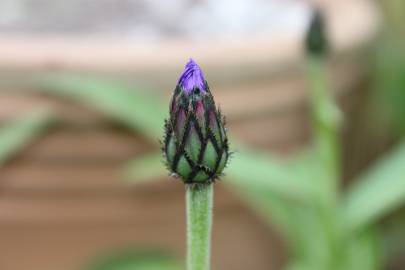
(199, 199)
(326, 119)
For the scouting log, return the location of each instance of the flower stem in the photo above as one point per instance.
(326, 117)
(199, 200)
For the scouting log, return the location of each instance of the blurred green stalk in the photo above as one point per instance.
(326, 117)
(325, 125)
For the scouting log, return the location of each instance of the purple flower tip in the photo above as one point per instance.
(192, 77)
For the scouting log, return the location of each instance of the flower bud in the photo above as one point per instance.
(195, 143)
(316, 42)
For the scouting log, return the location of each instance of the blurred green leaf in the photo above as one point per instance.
(378, 191)
(128, 260)
(362, 251)
(17, 134)
(359, 251)
(147, 168)
(126, 104)
(248, 168)
(272, 209)
(300, 225)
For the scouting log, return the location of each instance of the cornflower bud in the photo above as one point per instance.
(195, 145)
(316, 42)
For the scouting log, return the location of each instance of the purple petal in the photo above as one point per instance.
(192, 77)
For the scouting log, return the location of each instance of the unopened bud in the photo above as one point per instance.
(195, 144)
(316, 42)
